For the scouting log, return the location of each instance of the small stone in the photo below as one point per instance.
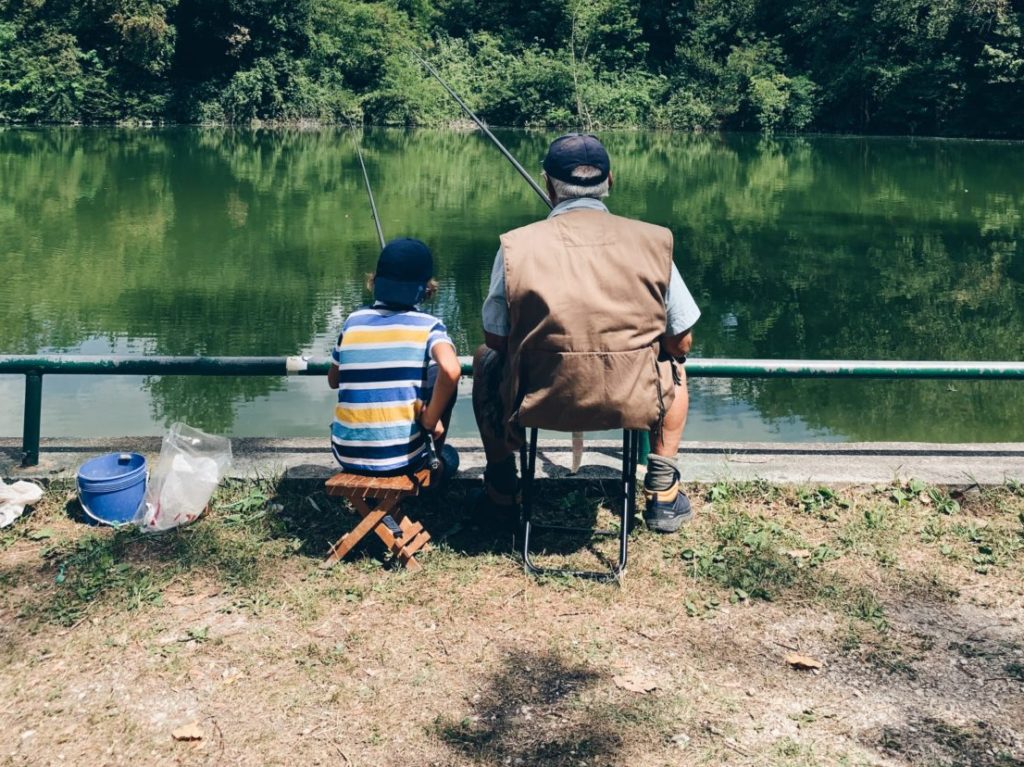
(681, 739)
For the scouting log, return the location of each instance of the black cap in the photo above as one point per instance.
(568, 152)
(404, 268)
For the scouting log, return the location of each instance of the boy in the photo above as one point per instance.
(396, 373)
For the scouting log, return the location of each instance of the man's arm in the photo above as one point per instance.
(682, 314)
(495, 310)
(498, 343)
(678, 345)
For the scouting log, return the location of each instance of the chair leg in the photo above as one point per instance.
(527, 464)
(630, 459)
(348, 541)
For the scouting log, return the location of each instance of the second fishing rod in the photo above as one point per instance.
(483, 127)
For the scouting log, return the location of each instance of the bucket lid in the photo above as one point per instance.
(111, 468)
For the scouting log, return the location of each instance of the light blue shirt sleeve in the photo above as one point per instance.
(680, 307)
(495, 309)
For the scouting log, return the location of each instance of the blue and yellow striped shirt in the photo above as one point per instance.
(386, 376)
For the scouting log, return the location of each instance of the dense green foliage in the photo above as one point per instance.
(944, 67)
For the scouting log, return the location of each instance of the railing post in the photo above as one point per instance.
(645, 448)
(33, 418)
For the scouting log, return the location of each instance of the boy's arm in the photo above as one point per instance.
(448, 373)
(334, 372)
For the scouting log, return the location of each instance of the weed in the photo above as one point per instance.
(942, 501)
(864, 605)
(822, 502)
(745, 557)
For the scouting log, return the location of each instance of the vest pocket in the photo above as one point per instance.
(591, 391)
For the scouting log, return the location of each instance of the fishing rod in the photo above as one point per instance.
(433, 462)
(480, 124)
(369, 191)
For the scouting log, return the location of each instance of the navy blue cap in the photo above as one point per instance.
(572, 150)
(404, 268)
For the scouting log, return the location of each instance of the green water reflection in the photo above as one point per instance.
(188, 241)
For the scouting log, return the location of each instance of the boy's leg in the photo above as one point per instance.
(500, 474)
(667, 505)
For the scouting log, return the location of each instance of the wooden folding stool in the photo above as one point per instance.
(384, 495)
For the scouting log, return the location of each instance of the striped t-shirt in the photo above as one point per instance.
(386, 376)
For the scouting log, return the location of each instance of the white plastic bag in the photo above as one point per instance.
(190, 466)
(14, 498)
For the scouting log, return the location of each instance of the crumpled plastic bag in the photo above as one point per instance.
(190, 466)
(14, 498)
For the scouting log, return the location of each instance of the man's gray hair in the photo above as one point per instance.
(565, 191)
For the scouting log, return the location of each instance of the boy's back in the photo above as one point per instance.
(386, 374)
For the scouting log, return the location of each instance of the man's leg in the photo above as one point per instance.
(500, 475)
(667, 505)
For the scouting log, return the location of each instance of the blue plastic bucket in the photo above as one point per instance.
(111, 487)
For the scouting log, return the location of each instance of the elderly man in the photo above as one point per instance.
(586, 325)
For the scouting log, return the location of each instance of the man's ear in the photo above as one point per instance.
(611, 182)
(551, 190)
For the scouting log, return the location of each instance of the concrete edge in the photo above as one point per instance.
(704, 462)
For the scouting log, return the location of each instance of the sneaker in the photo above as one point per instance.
(667, 510)
(449, 466)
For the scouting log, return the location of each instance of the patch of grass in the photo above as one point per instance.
(96, 566)
(789, 752)
(822, 502)
(129, 569)
(750, 490)
(746, 556)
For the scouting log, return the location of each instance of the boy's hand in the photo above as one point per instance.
(437, 432)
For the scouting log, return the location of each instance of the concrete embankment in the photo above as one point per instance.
(787, 463)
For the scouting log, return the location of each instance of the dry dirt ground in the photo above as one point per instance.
(910, 598)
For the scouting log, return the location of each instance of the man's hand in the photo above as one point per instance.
(677, 346)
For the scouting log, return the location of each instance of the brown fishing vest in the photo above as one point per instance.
(586, 295)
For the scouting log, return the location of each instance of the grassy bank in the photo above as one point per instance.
(910, 597)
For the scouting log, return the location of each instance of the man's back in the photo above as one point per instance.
(586, 293)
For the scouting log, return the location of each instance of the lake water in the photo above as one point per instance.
(236, 242)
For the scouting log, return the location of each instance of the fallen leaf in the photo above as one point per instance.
(799, 553)
(189, 732)
(796, 660)
(925, 498)
(635, 682)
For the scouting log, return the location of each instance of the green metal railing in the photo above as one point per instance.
(35, 367)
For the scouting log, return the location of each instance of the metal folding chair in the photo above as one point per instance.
(630, 458)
